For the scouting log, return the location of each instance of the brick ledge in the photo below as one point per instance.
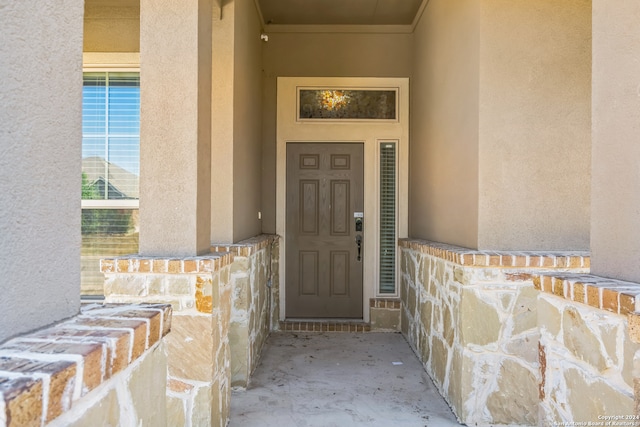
(616, 296)
(166, 265)
(43, 373)
(247, 247)
(499, 259)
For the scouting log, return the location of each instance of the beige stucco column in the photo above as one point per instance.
(175, 133)
(41, 139)
(615, 185)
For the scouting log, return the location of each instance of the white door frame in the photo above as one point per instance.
(369, 132)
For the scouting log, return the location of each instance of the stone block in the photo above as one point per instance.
(241, 293)
(155, 284)
(107, 410)
(125, 284)
(404, 322)
(516, 394)
(629, 370)
(439, 267)
(147, 388)
(411, 300)
(455, 392)
(480, 323)
(426, 311)
(240, 265)
(592, 397)
(549, 316)
(190, 347)
(423, 348)
(525, 313)
(204, 294)
(524, 347)
(203, 409)
(385, 319)
(459, 275)
(581, 340)
(239, 347)
(176, 411)
(448, 325)
(439, 357)
(179, 284)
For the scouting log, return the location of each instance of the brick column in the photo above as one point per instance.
(175, 134)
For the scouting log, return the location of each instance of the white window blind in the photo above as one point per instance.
(111, 136)
(387, 218)
(110, 171)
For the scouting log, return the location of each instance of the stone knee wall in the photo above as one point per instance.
(253, 302)
(471, 317)
(105, 366)
(199, 289)
(588, 346)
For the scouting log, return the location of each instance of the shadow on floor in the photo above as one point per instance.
(339, 379)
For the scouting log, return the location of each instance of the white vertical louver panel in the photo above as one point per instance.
(387, 218)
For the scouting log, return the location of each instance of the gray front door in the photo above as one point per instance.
(323, 267)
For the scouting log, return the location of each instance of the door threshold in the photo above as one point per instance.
(324, 325)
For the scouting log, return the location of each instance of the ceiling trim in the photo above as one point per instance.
(419, 13)
(259, 10)
(386, 29)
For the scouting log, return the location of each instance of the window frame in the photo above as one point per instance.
(110, 203)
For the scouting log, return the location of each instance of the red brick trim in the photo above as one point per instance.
(498, 259)
(43, 373)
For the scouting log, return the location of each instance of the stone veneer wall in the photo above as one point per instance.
(254, 302)
(199, 289)
(472, 319)
(104, 366)
(588, 350)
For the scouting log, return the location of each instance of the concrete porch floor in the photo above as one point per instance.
(339, 379)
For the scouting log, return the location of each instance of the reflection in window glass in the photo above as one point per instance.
(347, 104)
(111, 135)
(110, 170)
(105, 233)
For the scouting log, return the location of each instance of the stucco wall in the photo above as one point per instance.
(247, 110)
(615, 221)
(112, 26)
(40, 136)
(443, 180)
(222, 124)
(236, 123)
(175, 123)
(501, 124)
(535, 119)
(317, 55)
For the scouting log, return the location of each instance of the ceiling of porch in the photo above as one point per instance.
(355, 13)
(340, 12)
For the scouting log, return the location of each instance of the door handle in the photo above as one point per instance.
(359, 243)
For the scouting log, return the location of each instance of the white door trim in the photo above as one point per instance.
(371, 133)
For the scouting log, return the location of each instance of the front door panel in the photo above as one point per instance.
(323, 267)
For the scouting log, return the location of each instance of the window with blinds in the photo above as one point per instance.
(111, 136)
(110, 170)
(387, 218)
